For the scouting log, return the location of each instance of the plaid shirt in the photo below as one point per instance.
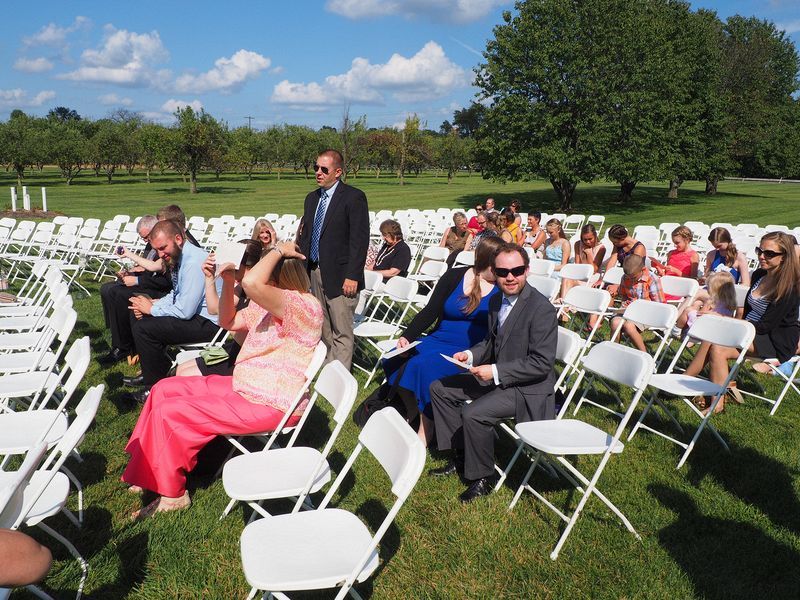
(646, 287)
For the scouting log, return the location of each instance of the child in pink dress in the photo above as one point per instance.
(183, 414)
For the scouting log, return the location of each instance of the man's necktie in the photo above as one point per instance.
(317, 230)
(502, 315)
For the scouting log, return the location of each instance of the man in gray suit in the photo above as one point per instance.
(511, 376)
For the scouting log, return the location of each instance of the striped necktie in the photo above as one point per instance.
(317, 230)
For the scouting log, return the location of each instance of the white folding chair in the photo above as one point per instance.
(598, 221)
(465, 258)
(297, 471)
(613, 276)
(40, 356)
(575, 272)
(331, 547)
(685, 288)
(723, 331)
(788, 382)
(657, 317)
(554, 441)
(547, 286)
(540, 266)
(372, 282)
(587, 301)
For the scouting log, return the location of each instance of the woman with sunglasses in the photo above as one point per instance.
(771, 306)
(726, 257)
(264, 232)
(474, 226)
(458, 309)
(490, 221)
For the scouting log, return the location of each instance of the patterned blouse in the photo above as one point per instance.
(270, 368)
(645, 287)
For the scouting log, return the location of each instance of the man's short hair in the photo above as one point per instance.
(526, 259)
(146, 222)
(167, 227)
(173, 212)
(335, 156)
(632, 265)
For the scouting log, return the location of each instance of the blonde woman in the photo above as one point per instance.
(556, 247)
(264, 232)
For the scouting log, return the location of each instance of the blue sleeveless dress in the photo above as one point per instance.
(718, 264)
(456, 332)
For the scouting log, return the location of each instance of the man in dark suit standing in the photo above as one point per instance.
(334, 241)
(511, 375)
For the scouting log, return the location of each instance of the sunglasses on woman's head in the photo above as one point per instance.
(768, 254)
(502, 273)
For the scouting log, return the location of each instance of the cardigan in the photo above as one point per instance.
(779, 322)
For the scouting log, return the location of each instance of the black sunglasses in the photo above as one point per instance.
(768, 254)
(503, 273)
(320, 168)
(479, 208)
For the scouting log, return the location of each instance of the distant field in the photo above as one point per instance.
(88, 196)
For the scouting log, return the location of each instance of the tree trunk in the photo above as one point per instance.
(564, 190)
(711, 185)
(626, 190)
(674, 184)
(147, 171)
(109, 174)
(192, 182)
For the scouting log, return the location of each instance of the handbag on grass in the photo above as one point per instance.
(383, 396)
(214, 355)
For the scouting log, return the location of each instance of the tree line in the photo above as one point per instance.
(197, 142)
(636, 90)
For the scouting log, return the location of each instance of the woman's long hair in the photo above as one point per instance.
(785, 279)
(484, 258)
(291, 274)
(258, 225)
(560, 231)
(720, 235)
(722, 290)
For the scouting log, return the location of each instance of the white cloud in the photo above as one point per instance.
(276, 70)
(33, 65)
(125, 58)
(426, 75)
(114, 100)
(789, 27)
(53, 35)
(18, 98)
(171, 105)
(228, 74)
(452, 11)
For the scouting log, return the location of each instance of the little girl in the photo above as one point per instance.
(720, 298)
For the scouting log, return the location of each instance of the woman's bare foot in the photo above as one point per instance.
(162, 504)
(763, 367)
(718, 409)
(135, 489)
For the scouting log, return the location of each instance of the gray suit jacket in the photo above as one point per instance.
(524, 352)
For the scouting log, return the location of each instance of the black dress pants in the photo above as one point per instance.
(115, 298)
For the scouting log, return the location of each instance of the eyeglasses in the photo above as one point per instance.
(503, 273)
(481, 222)
(320, 168)
(479, 208)
(768, 254)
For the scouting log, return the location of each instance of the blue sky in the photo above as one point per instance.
(275, 61)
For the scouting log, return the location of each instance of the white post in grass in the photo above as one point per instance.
(44, 199)
(26, 199)
(13, 199)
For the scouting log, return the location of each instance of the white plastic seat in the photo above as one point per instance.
(683, 287)
(540, 266)
(42, 357)
(329, 547)
(465, 258)
(547, 286)
(552, 441)
(576, 272)
(613, 276)
(587, 301)
(299, 470)
(657, 317)
(715, 329)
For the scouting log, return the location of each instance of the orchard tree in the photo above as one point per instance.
(154, 146)
(107, 147)
(197, 136)
(17, 143)
(68, 147)
(243, 150)
(468, 120)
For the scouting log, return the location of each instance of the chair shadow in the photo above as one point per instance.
(90, 470)
(753, 478)
(713, 553)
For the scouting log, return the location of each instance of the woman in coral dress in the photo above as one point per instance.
(183, 414)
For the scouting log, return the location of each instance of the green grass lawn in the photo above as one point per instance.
(725, 526)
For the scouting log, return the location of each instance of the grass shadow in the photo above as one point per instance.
(725, 559)
(204, 190)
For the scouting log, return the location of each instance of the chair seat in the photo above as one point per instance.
(684, 385)
(18, 311)
(51, 500)
(566, 436)
(278, 473)
(309, 550)
(374, 329)
(23, 362)
(422, 277)
(19, 341)
(19, 385)
(20, 431)
(17, 323)
(187, 355)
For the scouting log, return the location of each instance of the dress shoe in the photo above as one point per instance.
(480, 487)
(113, 356)
(453, 466)
(133, 381)
(139, 396)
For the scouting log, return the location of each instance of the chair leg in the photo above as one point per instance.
(524, 481)
(228, 509)
(72, 550)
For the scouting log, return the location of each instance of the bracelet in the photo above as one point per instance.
(276, 249)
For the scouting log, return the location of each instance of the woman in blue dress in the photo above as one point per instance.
(459, 307)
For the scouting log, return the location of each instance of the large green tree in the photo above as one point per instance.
(197, 136)
(18, 143)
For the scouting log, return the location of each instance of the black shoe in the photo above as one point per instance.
(133, 381)
(453, 466)
(139, 396)
(113, 356)
(480, 487)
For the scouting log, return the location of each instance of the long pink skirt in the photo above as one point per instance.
(181, 415)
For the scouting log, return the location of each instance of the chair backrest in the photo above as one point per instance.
(85, 413)
(587, 299)
(316, 360)
(576, 272)
(433, 268)
(569, 344)
(372, 279)
(338, 386)
(547, 286)
(613, 276)
(401, 288)
(741, 294)
(11, 495)
(465, 257)
(622, 364)
(723, 331)
(76, 362)
(540, 266)
(435, 253)
(685, 287)
(654, 315)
